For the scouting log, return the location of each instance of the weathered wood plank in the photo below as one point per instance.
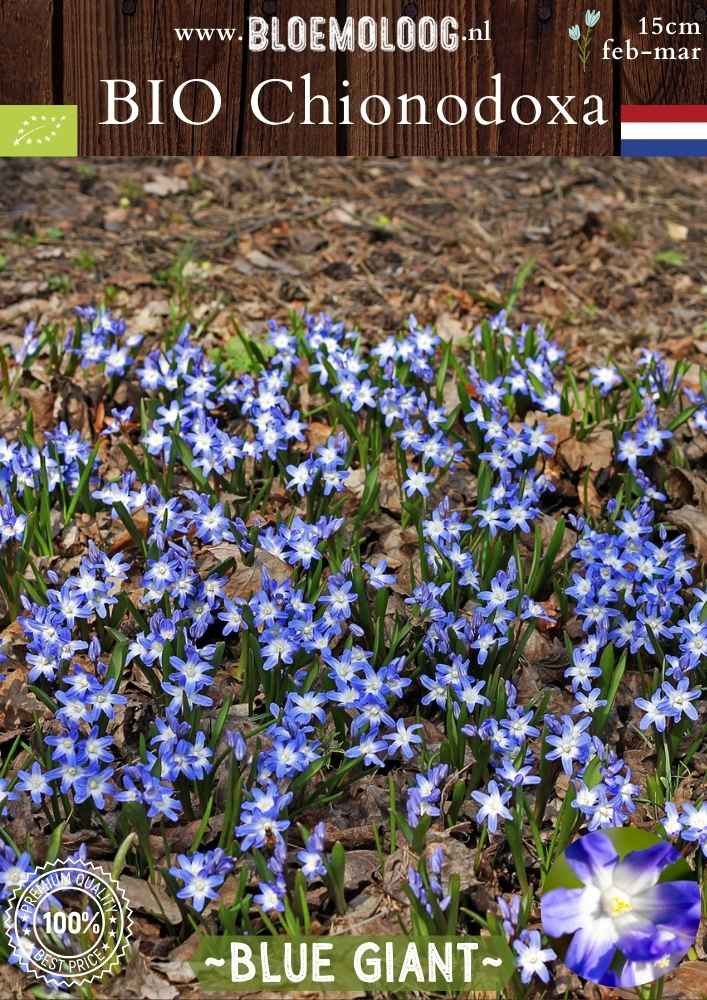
(650, 81)
(432, 75)
(106, 41)
(26, 58)
(270, 140)
(530, 47)
(537, 57)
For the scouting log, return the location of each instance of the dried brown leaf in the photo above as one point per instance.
(389, 490)
(18, 706)
(163, 185)
(595, 452)
(695, 523)
(139, 982)
(41, 403)
(246, 580)
(176, 970)
(318, 433)
(370, 914)
(451, 329)
(151, 898)
(359, 868)
(688, 983)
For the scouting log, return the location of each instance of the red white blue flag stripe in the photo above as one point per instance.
(664, 130)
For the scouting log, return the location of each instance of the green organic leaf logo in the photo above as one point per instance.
(36, 130)
(39, 130)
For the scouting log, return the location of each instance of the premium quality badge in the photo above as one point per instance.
(68, 924)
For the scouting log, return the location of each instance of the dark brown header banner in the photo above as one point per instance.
(421, 78)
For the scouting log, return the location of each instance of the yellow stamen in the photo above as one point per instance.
(618, 904)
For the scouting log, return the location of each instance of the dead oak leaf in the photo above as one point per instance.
(676, 231)
(12, 983)
(125, 540)
(695, 523)
(177, 971)
(458, 858)
(400, 546)
(678, 347)
(350, 836)
(595, 452)
(355, 481)
(450, 329)
(359, 868)
(686, 487)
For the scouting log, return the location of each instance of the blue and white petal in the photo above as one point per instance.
(640, 870)
(592, 949)
(567, 910)
(593, 858)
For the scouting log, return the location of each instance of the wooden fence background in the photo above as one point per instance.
(57, 51)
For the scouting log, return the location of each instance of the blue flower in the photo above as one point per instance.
(493, 806)
(571, 744)
(417, 482)
(202, 875)
(271, 897)
(532, 957)
(631, 449)
(678, 700)
(15, 870)
(377, 576)
(311, 858)
(94, 784)
(35, 782)
(694, 825)
(604, 377)
(622, 910)
(501, 591)
(369, 748)
(404, 739)
(656, 711)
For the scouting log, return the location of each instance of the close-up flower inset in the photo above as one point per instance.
(633, 918)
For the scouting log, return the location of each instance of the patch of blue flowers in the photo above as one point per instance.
(234, 598)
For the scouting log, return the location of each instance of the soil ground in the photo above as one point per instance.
(619, 248)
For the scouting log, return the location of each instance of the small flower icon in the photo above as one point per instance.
(591, 19)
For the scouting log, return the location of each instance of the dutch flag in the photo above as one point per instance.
(664, 130)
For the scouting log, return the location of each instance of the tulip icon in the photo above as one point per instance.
(584, 40)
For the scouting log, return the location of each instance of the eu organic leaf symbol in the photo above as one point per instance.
(38, 129)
